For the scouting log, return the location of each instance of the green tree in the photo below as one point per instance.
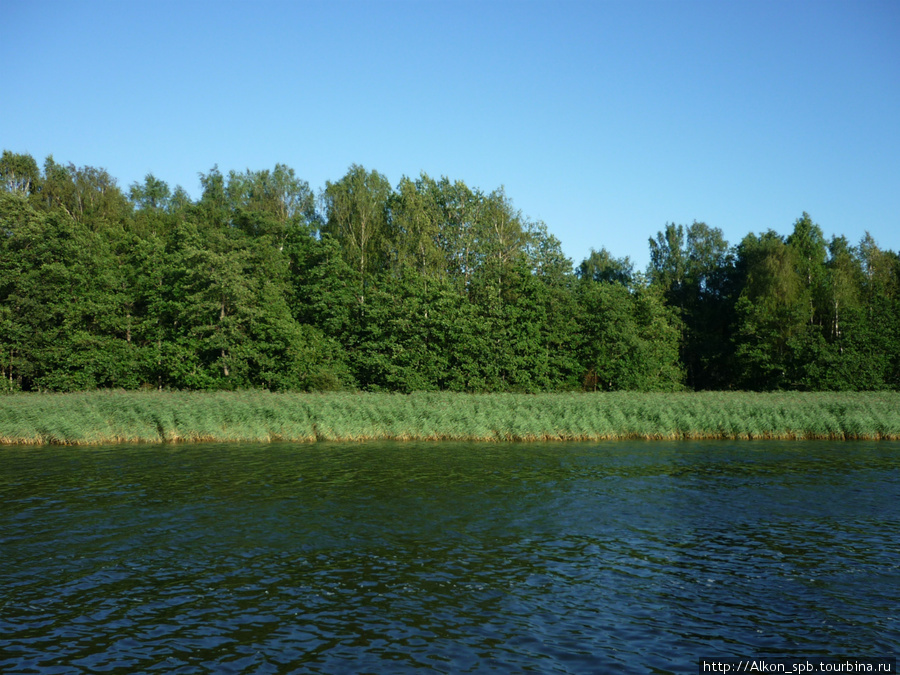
(810, 251)
(64, 322)
(545, 256)
(355, 215)
(460, 211)
(18, 173)
(501, 240)
(153, 195)
(669, 261)
(691, 267)
(213, 207)
(414, 225)
(602, 266)
(772, 312)
(402, 339)
(874, 329)
(629, 340)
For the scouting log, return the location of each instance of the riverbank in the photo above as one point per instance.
(102, 417)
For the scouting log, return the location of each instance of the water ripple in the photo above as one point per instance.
(627, 557)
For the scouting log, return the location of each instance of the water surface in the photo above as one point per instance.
(337, 558)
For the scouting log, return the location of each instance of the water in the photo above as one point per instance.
(389, 558)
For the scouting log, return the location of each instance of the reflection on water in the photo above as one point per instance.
(332, 558)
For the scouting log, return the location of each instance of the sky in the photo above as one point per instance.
(604, 120)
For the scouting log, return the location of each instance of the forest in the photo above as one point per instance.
(432, 285)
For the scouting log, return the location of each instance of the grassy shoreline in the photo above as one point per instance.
(104, 417)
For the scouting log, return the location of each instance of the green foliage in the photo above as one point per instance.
(432, 286)
(402, 337)
(153, 195)
(414, 225)
(806, 317)
(629, 339)
(356, 214)
(602, 266)
(18, 173)
(62, 291)
(691, 267)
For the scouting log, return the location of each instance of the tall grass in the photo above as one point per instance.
(155, 417)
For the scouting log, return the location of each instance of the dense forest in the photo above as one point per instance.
(429, 285)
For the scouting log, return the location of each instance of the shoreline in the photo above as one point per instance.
(119, 417)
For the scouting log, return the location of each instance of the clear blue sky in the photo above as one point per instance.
(606, 120)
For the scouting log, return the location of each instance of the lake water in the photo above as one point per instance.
(632, 557)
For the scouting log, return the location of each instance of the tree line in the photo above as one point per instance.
(429, 285)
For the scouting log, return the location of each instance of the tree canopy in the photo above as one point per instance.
(429, 285)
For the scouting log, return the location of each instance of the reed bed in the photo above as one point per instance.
(103, 417)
